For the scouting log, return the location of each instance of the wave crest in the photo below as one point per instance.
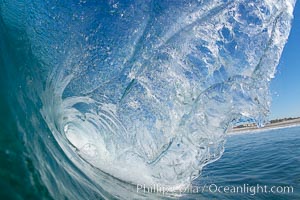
(146, 91)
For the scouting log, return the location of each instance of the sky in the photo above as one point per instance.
(285, 87)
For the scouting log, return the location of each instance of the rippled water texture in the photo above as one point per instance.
(141, 92)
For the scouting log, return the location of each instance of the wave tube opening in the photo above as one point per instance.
(140, 92)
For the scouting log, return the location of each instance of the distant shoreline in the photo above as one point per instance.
(281, 123)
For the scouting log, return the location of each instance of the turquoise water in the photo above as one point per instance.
(98, 97)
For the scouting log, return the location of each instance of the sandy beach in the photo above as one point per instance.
(281, 124)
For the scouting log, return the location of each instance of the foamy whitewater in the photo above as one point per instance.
(139, 92)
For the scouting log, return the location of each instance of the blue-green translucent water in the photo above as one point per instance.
(100, 96)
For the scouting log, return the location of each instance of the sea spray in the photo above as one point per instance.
(144, 91)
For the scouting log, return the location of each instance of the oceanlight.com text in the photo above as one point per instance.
(214, 188)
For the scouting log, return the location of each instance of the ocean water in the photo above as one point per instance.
(268, 158)
(98, 97)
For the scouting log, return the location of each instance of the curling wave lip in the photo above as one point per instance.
(143, 93)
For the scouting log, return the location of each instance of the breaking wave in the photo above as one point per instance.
(119, 93)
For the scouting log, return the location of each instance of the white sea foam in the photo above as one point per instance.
(146, 91)
(160, 114)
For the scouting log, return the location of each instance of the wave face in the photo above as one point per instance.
(140, 92)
